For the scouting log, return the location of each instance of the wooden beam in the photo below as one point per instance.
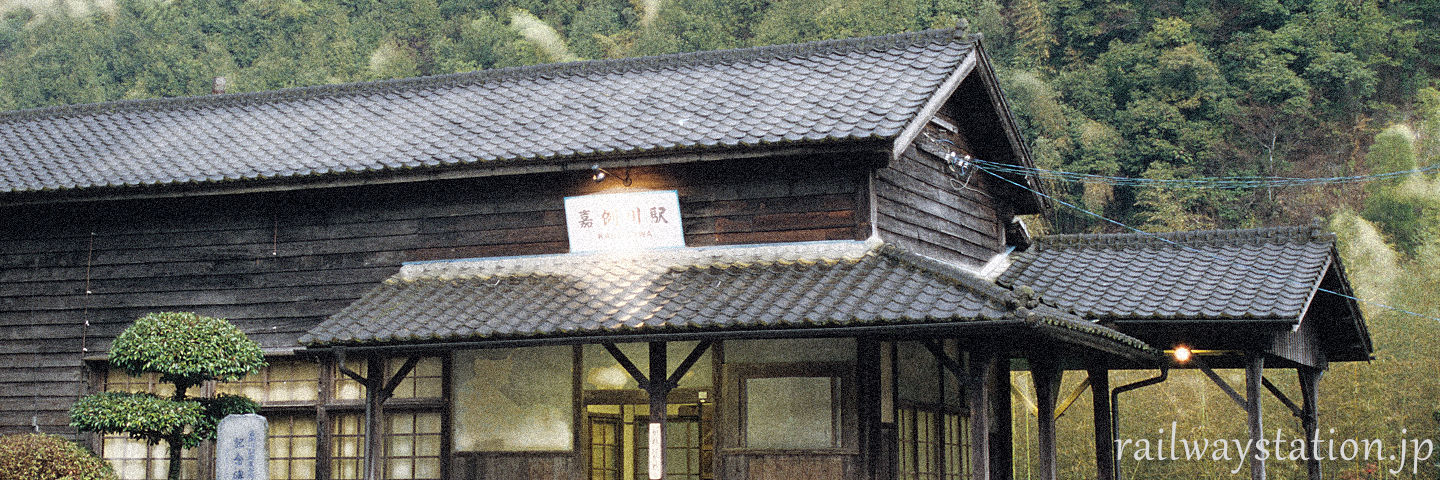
(1047, 376)
(1219, 382)
(1030, 405)
(1310, 419)
(393, 382)
(1070, 400)
(1254, 370)
(978, 398)
(1104, 436)
(657, 390)
(374, 418)
(690, 360)
(629, 366)
(944, 358)
(1279, 395)
(1002, 447)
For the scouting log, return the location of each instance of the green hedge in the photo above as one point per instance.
(49, 457)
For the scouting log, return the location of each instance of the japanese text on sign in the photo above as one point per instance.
(624, 221)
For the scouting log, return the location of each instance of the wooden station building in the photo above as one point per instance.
(775, 262)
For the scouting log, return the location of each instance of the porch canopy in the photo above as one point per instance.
(1281, 291)
(813, 289)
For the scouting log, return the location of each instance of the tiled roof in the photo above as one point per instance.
(842, 90)
(807, 285)
(1257, 274)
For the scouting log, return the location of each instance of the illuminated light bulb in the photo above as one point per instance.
(1182, 354)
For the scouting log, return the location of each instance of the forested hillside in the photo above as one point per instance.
(1125, 89)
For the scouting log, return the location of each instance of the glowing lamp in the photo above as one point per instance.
(1182, 353)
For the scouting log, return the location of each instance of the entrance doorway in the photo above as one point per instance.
(618, 444)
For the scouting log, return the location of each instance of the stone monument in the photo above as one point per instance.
(240, 448)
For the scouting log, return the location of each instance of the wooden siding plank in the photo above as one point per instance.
(276, 264)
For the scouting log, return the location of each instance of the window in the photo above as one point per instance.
(134, 459)
(292, 447)
(291, 391)
(619, 446)
(605, 447)
(792, 412)
(932, 427)
(682, 448)
(514, 400)
(792, 394)
(347, 447)
(412, 446)
(284, 381)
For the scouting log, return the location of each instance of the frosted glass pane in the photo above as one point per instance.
(789, 412)
(513, 399)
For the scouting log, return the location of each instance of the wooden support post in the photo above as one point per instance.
(1254, 371)
(868, 383)
(1310, 419)
(977, 396)
(1002, 448)
(1104, 436)
(658, 388)
(1046, 376)
(374, 417)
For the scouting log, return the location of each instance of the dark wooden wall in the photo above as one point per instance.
(508, 466)
(923, 208)
(278, 263)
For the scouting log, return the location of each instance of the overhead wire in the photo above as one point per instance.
(1183, 246)
(1236, 182)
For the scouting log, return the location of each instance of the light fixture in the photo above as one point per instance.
(1182, 353)
(600, 174)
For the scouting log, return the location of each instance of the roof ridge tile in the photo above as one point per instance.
(1313, 233)
(544, 71)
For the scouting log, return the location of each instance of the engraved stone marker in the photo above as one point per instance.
(240, 450)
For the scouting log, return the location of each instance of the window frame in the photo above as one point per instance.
(843, 403)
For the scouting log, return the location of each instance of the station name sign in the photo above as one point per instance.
(624, 221)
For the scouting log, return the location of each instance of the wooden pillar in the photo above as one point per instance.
(374, 418)
(868, 383)
(1104, 435)
(1254, 372)
(1310, 418)
(657, 389)
(977, 397)
(1002, 447)
(1046, 376)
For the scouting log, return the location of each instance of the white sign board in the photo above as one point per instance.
(656, 452)
(624, 221)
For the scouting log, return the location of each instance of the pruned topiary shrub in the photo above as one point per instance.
(36, 456)
(186, 349)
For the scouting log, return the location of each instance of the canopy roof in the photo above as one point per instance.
(811, 286)
(1178, 280)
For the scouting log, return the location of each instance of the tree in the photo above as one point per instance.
(185, 350)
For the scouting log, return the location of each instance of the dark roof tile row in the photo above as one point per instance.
(1256, 274)
(838, 90)
(807, 285)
